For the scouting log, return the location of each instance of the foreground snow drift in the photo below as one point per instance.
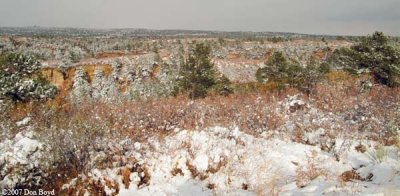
(227, 161)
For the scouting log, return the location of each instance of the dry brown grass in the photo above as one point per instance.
(114, 54)
(125, 173)
(252, 111)
(336, 76)
(352, 175)
(309, 172)
(248, 111)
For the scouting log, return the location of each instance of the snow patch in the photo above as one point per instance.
(23, 122)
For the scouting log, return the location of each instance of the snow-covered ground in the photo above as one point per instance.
(21, 159)
(224, 161)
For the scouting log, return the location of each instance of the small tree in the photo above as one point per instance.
(110, 86)
(64, 66)
(223, 86)
(197, 74)
(98, 84)
(21, 80)
(309, 76)
(276, 69)
(81, 89)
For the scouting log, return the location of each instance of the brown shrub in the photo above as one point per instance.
(125, 173)
(177, 171)
(361, 148)
(349, 176)
(352, 175)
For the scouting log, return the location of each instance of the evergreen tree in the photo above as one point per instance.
(223, 86)
(276, 68)
(76, 54)
(64, 65)
(111, 86)
(59, 55)
(181, 55)
(81, 88)
(98, 85)
(197, 73)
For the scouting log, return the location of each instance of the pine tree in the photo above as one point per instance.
(98, 85)
(81, 88)
(276, 68)
(64, 65)
(223, 86)
(59, 55)
(111, 85)
(197, 73)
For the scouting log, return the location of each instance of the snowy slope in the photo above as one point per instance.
(223, 161)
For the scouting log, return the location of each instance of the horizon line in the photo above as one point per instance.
(201, 30)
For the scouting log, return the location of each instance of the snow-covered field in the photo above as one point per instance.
(224, 161)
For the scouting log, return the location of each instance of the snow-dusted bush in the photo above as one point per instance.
(105, 89)
(81, 88)
(22, 161)
(78, 141)
(98, 85)
(150, 81)
(20, 79)
(76, 54)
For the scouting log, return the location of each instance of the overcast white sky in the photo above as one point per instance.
(352, 17)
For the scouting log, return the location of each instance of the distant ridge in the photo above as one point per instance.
(145, 33)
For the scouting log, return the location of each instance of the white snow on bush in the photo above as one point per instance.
(23, 122)
(18, 158)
